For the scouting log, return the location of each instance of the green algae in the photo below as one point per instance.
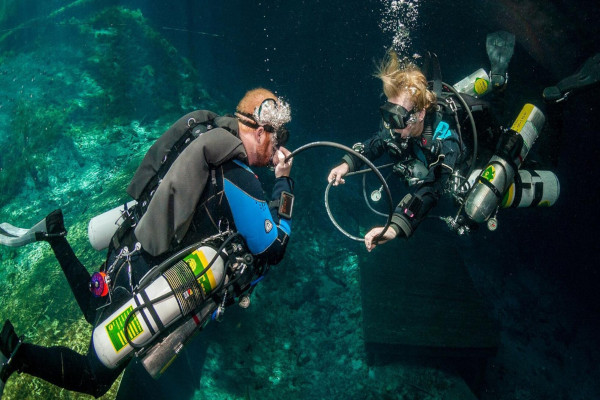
(77, 116)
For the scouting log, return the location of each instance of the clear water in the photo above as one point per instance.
(86, 86)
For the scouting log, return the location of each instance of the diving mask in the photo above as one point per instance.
(396, 117)
(272, 114)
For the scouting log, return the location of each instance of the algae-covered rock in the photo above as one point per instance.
(85, 88)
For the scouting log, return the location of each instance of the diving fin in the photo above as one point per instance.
(49, 227)
(500, 47)
(9, 345)
(587, 75)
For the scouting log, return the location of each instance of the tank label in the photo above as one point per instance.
(522, 118)
(509, 197)
(116, 331)
(489, 173)
(481, 86)
(197, 262)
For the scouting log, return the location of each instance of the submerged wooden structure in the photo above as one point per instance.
(419, 302)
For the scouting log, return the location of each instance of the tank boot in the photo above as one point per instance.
(50, 227)
(500, 47)
(9, 345)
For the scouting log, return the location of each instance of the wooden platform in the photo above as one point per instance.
(419, 301)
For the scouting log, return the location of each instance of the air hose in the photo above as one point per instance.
(473, 126)
(371, 167)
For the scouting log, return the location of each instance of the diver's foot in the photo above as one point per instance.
(55, 226)
(9, 345)
(50, 227)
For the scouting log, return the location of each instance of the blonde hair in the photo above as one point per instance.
(254, 98)
(403, 76)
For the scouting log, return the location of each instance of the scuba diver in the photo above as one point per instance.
(199, 236)
(410, 132)
(421, 131)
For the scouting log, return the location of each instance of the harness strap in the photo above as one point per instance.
(137, 302)
(539, 190)
(518, 189)
(150, 307)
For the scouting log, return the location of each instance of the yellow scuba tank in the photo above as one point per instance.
(181, 290)
(496, 178)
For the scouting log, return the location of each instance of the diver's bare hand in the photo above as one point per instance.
(282, 167)
(370, 244)
(336, 174)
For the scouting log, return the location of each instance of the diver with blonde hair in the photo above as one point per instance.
(424, 148)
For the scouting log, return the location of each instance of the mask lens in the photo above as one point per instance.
(396, 116)
(282, 135)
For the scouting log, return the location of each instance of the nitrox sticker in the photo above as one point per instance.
(116, 332)
(197, 262)
(489, 173)
(481, 86)
(522, 118)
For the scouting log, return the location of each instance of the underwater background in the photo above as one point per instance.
(86, 86)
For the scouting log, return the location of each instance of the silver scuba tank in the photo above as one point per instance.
(102, 227)
(496, 178)
(177, 292)
(160, 356)
(536, 188)
(477, 84)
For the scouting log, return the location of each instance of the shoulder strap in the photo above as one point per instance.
(156, 155)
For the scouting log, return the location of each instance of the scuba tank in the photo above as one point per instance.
(477, 84)
(182, 289)
(496, 178)
(533, 189)
(160, 356)
(102, 227)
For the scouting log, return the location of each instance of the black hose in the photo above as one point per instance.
(473, 126)
(159, 269)
(363, 159)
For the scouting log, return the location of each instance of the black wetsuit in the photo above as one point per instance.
(440, 164)
(233, 197)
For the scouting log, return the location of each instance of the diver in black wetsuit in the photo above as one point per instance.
(206, 190)
(425, 148)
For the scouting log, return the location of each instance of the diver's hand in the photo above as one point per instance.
(370, 243)
(282, 168)
(336, 174)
